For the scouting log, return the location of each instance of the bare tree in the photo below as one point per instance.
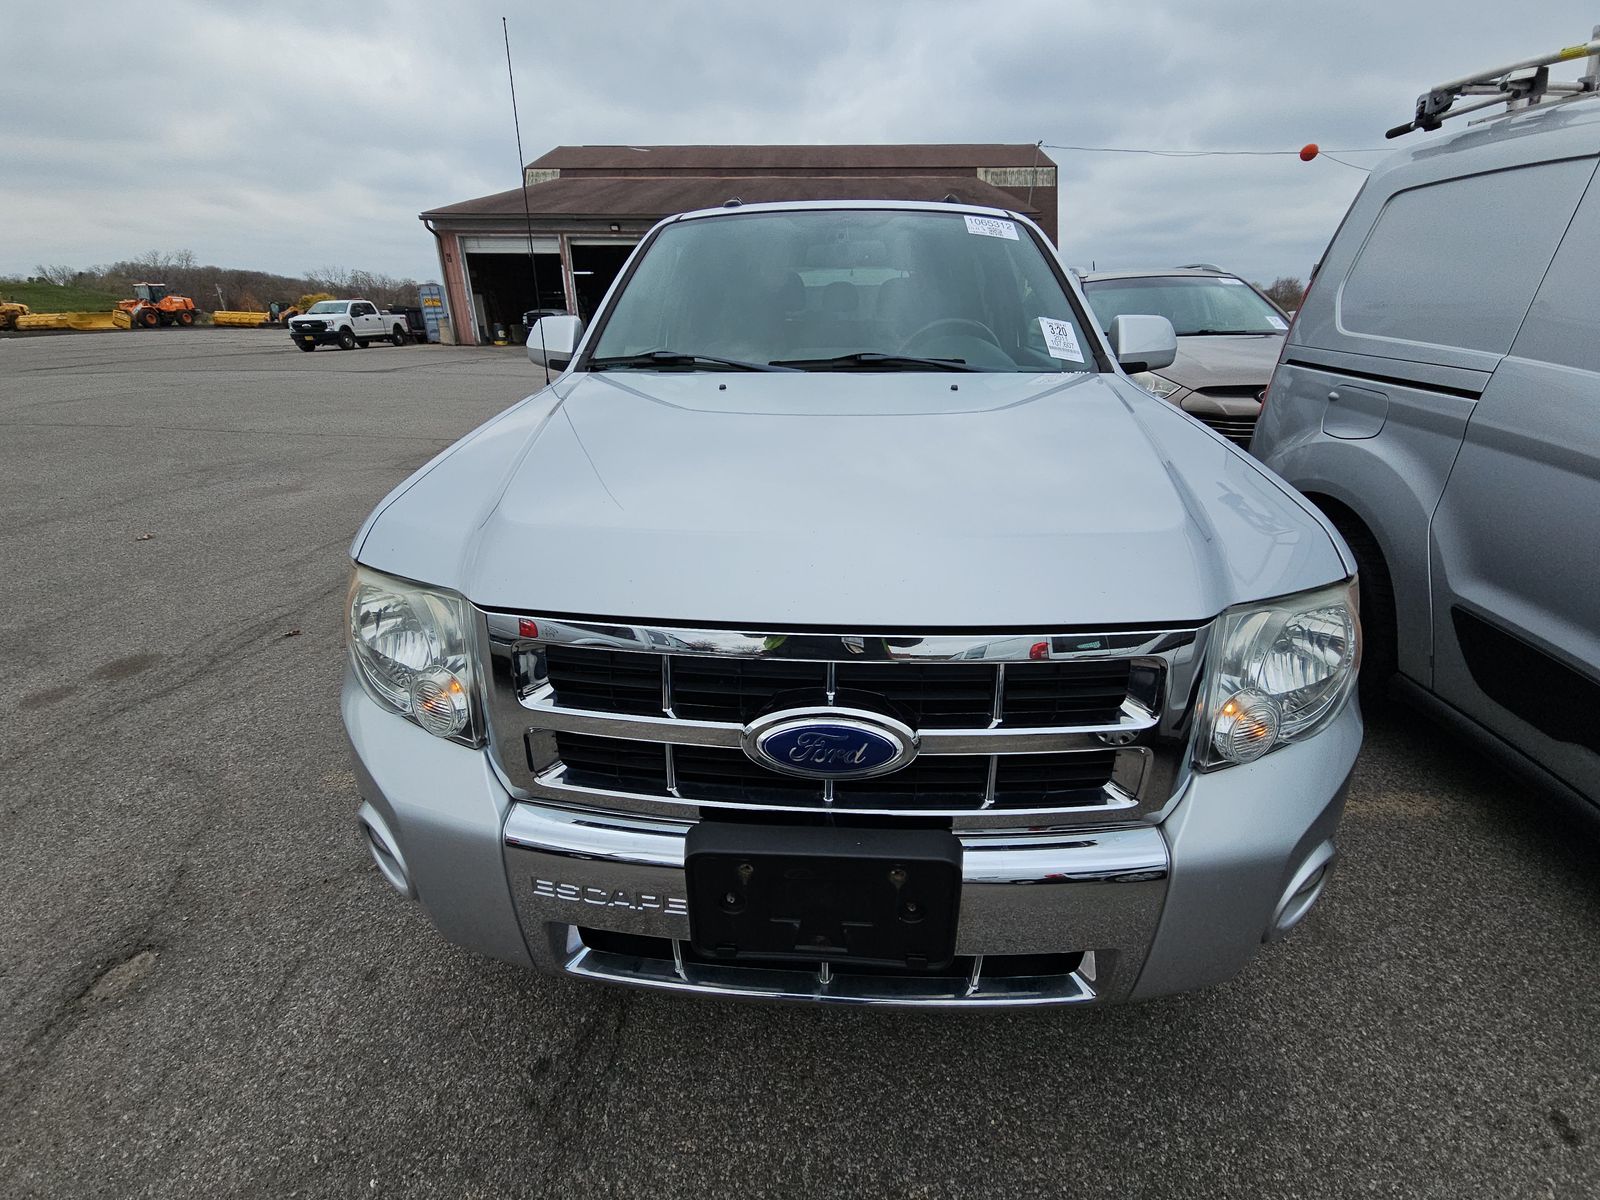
(1286, 292)
(58, 275)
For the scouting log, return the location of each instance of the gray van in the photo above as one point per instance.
(1439, 399)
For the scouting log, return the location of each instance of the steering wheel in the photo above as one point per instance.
(942, 323)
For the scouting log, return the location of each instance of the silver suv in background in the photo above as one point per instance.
(1229, 336)
(1439, 399)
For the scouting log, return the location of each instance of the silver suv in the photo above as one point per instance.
(1439, 399)
(1229, 336)
(843, 625)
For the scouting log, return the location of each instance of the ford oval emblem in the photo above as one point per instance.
(830, 743)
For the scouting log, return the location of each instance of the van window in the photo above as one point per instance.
(1563, 326)
(1456, 263)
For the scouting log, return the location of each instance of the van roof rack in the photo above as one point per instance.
(1516, 85)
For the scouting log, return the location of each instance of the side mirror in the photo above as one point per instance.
(552, 340)
(1143, 343)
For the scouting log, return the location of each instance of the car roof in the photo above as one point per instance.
(1157, 273)
(939, 206)
(1547, 130)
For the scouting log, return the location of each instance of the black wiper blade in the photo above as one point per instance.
(1227, 332)
(871, 359)
(677, 358)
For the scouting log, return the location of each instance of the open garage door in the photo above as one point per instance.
(595, 264)
(501, 282)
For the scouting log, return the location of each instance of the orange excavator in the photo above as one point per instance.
(152, 306)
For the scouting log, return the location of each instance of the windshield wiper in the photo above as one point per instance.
(677, 358)
(872, 360)
(1227, 332)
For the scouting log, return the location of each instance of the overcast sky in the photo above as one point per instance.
(299, 136)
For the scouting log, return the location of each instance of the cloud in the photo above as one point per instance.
(295, 136)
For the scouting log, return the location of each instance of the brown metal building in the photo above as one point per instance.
(589, 205)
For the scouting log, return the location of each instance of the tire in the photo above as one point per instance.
(149, 318)
(398, 337)
(363, 342)
(308, 347)
(1380, 656)
(347, 339)
(186, 318)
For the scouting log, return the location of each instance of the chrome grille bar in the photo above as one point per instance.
(1062, 739)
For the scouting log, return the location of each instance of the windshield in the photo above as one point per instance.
(1195, 304)
(844, 289)
(327, 306)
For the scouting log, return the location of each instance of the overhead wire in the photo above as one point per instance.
(1206, 153)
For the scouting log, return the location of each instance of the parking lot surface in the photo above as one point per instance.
(206, 988)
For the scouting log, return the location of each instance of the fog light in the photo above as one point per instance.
(439, 703)
(1246, 726)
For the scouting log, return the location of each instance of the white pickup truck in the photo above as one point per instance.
(346, 324)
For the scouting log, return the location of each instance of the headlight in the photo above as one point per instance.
(412, 650)
(1155, 384)
(1280, 672)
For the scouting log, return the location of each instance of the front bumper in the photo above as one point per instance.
(1151, 909)
(323, 337)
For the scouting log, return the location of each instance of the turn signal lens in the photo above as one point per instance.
(1246, 727)
(439, 703)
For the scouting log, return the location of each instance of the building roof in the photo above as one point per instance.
(930, 159)
(653, 197)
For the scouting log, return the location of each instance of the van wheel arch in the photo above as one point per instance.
(1380, 654)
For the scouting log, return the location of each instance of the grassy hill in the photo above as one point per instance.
(50, 297)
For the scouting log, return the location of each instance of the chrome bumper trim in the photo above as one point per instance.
(825, 987)
(1022, 891)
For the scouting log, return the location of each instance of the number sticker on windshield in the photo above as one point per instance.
(992, 227)
(1234, 282)
(1276, 321)
(1061, 340)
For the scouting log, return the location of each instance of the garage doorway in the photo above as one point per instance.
(500, 280)
(595, 265)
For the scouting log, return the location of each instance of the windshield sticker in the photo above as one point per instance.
(992, 227)
(1276, 321)
(1061, 340)
(1235, 282)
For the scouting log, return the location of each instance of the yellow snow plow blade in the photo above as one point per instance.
(9, 312)
(241, 319)
(121, 318)
(67, 320)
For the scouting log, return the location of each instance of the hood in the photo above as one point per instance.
(925, 501)
(1238, 360)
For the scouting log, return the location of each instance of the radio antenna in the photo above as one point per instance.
(522, 176)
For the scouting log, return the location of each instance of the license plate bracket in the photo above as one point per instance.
(875, 897)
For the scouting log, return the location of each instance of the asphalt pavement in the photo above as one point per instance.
(206, 989)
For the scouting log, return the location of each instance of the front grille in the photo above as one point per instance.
(1235, 429)
(956, 781)
(924, 695)
(617, 681)
(310, 326)
(1084, 724)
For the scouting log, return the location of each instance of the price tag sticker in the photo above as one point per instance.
(992, 227)
(1276, 321)
(1061, 340)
